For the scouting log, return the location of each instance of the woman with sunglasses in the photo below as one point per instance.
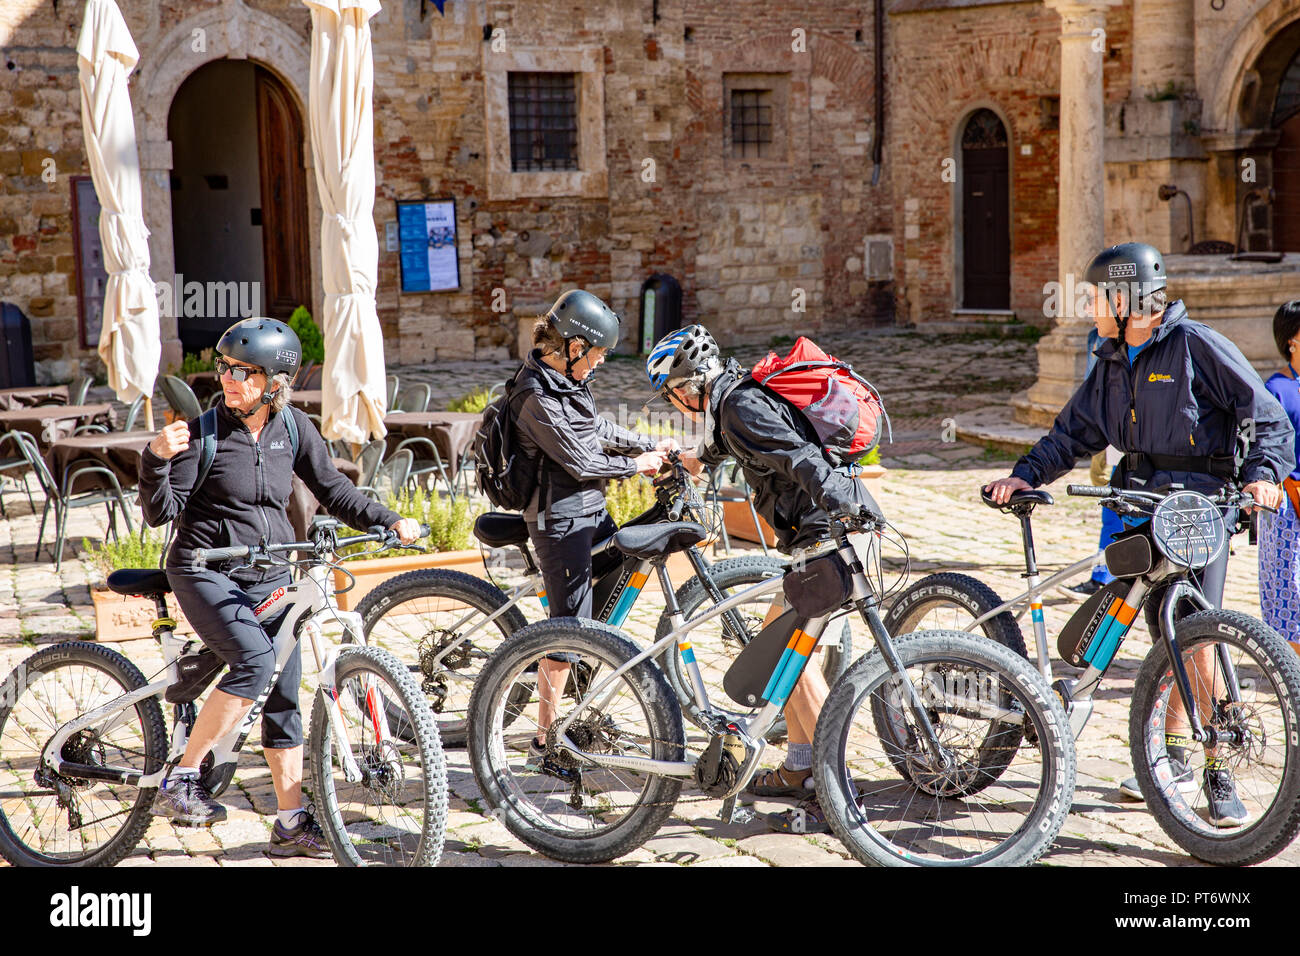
(243, 501)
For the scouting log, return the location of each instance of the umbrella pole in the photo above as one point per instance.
(148, 412)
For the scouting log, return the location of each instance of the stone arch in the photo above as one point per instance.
(1227, 76)
(229, 31)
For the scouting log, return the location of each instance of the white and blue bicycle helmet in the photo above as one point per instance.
(680, 356)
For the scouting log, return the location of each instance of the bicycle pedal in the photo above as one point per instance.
(731, 813)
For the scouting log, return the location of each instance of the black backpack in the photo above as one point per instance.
(504, 475)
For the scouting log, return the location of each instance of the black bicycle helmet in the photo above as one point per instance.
(1136, 267)
(579, 313)
(267, 343)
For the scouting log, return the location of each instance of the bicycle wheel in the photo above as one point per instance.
(964, 813)
(950, 602)
(420, 618)
(396, 813)
(567, 809)
(51, 820)
(716, 643)
(1258, 737)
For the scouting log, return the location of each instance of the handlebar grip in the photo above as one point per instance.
(1090, 491)
(205, 556)
(424, 530)
(675, 512)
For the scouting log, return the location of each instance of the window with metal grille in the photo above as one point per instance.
(751, 123)
(543, 121)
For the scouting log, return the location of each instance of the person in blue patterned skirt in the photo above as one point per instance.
(1279, 534)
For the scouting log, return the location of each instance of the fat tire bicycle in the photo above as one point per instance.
(1242, 699)
(84, 746)
(616, 754)
(445, 624)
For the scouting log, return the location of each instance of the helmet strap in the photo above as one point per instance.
(570, 361)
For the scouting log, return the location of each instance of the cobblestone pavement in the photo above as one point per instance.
(930, 496)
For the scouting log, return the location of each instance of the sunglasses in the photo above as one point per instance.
(238, 373)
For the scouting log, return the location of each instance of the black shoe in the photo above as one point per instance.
(1184, 780)
(1226, 808)
(306, 839)
(539, 761)
(1087, 589)
(184, 800)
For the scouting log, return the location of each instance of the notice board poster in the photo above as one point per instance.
(426, 231)
(92, 277)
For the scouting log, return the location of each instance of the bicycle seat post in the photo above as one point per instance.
(1027, 536)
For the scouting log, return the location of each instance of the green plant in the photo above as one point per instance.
(871, 458)
(1170, 91)
(313, 343)
(475, 401)
(140, 549)
(660, 426)
(450, 523)
(626, 498)
(204, 361)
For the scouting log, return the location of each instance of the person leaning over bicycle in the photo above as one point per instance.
(243, 501)
(796, 489)
(1172, 394)
(576, 452)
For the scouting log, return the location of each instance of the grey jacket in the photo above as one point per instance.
(557, 423)
(1186, 395)
(244, 497)
(796, 488)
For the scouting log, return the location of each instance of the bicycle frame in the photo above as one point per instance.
(305, 604)
(784, 677)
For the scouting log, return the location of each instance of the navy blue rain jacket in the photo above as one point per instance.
(1187, 393)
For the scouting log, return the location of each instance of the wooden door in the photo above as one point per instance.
(1286, 182)
(285, 253)
(986, 232)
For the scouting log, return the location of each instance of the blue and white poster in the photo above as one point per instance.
(426, 234)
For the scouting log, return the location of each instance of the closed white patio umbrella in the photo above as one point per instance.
(342, 137)
(129, 342)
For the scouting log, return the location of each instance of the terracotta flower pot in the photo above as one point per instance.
(119, 618)
(373, 572)
(740, 523)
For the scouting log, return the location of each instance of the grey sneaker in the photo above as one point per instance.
(184, 800)
(1226, 808)
(306, 839)
(1184, 779)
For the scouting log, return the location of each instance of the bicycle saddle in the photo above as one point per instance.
(657, 540)
(498, 529)
(1020, 500)
(135, 582)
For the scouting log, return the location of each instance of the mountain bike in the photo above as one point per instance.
(986, 746)
(1232, 680)
(444, 624)
(83, 744)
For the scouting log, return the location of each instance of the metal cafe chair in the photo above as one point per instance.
(414, 399)
(392, 393)
(184, 403)
(421, 468)
(392, 475)
(718, 493)
(14, 465)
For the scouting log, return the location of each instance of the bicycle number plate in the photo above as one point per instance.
(1188, 528)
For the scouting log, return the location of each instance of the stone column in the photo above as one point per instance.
(1062, 354)
(156, 196)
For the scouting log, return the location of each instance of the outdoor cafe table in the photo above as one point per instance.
(119, 452)
(303, 504)
(25, 396)
(452, 433)
(49, 423)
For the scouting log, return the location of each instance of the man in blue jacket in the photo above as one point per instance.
(1172, 394)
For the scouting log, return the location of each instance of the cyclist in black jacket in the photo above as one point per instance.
(1173, 395)
(796, 490)
(242, 502)
(578, 451)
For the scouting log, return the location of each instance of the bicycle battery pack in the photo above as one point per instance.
(749, 673)
(1092, 636)
(197, 671)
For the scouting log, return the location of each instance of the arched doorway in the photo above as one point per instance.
(239, 199)
(985, 213)
(1286, 160)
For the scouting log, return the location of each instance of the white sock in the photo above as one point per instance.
(180, 772)
(288, 818)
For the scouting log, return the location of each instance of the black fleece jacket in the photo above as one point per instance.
(244, 497)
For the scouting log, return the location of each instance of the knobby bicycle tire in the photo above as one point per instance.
(20, 797)
(1265, 763)
(885, 818)
(649, 724)
(355, 837)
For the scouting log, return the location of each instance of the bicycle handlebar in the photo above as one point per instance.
(1229, 497)
(201, 557)
(1090, 491)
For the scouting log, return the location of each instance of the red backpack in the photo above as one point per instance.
(843, 407)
